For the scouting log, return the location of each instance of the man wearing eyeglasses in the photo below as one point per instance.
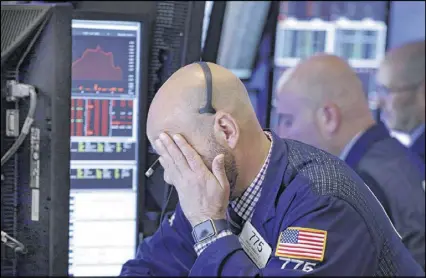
(252, 204)
(401, 79)
(321, 102)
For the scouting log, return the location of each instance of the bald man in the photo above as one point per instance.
(401, 77)
(321, 102)
(251, 204)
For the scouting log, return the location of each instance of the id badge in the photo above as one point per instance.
(254, 245)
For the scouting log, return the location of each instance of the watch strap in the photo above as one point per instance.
(209, 229)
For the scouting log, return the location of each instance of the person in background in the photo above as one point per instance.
(321, 102)
(252, 204)
(401, 79)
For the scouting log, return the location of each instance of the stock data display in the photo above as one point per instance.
(94, 177)
(102, 117)
(104, 62)
(109, 150)
(104, 145)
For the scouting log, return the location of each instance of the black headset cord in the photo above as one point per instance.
(161, 230)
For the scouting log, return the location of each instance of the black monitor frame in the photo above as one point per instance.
(210, 51)
(145, 44)
(47, 67)
(214, 32)
(377, 113)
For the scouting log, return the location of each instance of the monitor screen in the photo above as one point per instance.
(242, 30)
(104, 145)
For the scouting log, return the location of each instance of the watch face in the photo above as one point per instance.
(203, 231)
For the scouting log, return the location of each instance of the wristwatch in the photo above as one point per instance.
(208, 229)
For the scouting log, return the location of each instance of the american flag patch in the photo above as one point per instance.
(302, 243)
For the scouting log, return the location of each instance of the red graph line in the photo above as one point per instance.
(96, 64)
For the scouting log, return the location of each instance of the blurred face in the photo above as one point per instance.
(297, 120)
(399, 104)
(397, 108)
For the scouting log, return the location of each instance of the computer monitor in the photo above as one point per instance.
(241, 34)
(36, 51)
(241, 26)
(108, 108)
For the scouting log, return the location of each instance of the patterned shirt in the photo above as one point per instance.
(244, 205)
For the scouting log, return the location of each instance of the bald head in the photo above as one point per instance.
(325, 78)
(321, 102)
(176, 105)
(401, 76)
(229, 131)
(403, 66)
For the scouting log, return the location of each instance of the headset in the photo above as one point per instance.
(207, 109)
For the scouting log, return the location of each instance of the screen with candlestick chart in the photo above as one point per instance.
(104, 144)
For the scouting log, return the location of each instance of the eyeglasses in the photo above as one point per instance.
(385, 91)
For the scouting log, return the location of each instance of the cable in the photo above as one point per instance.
(17, 91)
(10, 242)
(15, 87)
(161, 230)
(148, 174)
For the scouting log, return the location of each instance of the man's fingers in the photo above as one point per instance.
(161, 150)
(165, 166)
(176, 155)
(192, 157)
(218, 169)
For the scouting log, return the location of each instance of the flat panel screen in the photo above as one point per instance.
(104, 145)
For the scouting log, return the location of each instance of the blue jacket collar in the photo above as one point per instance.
(417, 132)
(372, 135)
(418, 146)
(265, 207)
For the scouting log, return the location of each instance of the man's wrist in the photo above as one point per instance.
(201, 246)
(198, 221)
(208, 229)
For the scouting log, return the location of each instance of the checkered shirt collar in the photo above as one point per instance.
(244, 205)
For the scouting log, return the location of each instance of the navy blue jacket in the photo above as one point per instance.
(418, 146)
(395, 176)
(304, 187)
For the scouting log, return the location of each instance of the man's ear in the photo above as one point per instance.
(330, 117)
(226, 129)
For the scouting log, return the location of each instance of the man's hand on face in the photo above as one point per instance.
(202, 194)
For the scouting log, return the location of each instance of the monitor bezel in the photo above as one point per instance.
(210, 51)
(143, 97)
